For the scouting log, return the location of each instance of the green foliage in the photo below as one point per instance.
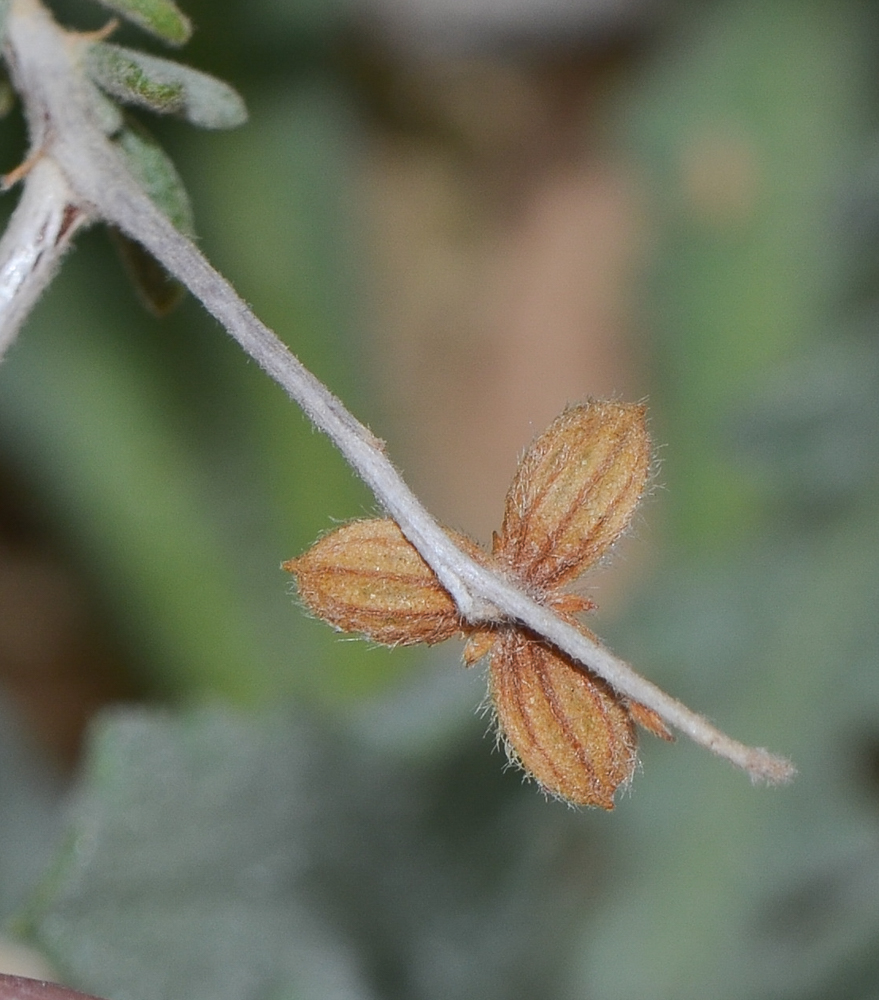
(159, 823)
(159, 17)
(157, 175)
(158, 291)
(164, 87)
(106, 112)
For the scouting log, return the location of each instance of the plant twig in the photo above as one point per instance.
(46, 75)
(37, 237)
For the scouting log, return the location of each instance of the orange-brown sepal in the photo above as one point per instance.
(574, 492)
(367, 577)
(564, 726)
(479, 644)
(649, 719)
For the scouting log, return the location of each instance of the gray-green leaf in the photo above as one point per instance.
(107, 114)
(153, 169)
(164, 86)
(186, 871)
(159, 292)
(157, 175)
(159, 17)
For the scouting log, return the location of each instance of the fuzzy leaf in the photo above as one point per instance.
(107, 114)
(159, 292)
(164, 87)
(183, 872)
(162, 18)
(214, 856)
(157, 175)
(153, 169)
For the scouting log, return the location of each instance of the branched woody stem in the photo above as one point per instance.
(63, 132)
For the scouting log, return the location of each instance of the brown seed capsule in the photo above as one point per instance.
(565, 727)
(574, 492)
(366, 577)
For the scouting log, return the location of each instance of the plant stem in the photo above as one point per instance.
(46, 74)
(38, 235)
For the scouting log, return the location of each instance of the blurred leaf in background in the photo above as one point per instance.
(225, 858)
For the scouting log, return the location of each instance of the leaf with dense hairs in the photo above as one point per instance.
(164, 86)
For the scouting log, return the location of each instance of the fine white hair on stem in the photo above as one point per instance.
(97, 185)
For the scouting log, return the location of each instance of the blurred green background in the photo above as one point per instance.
(461, 224)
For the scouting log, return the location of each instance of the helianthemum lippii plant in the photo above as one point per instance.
(552, 681)
(573, 494)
